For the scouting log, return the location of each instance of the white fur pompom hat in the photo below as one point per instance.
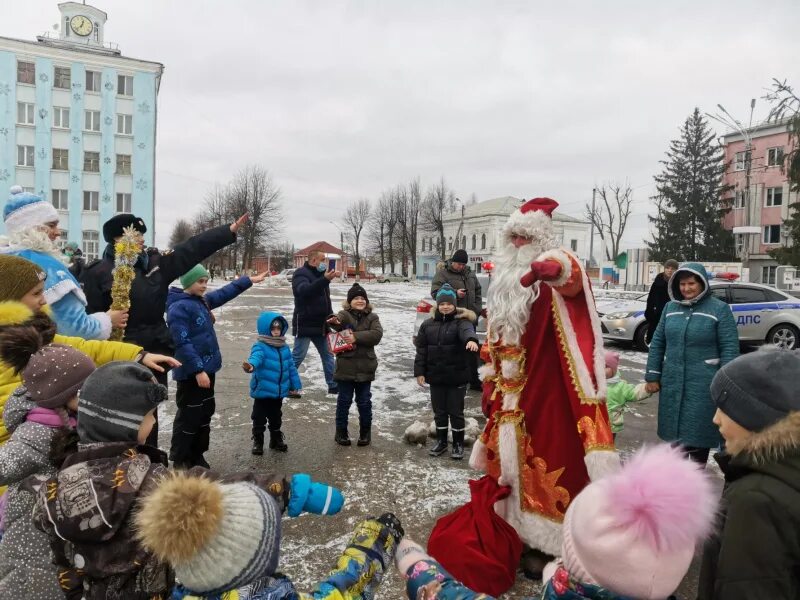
(532, 220)
(634, 532)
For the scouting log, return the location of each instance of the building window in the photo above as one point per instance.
(573, 245)
(26, 73)
(775, 157)
(483, 241)
(774, 196)
(464, 242)
(92, 81)
(91, 201)
(28, 190)
(24, 156)
(24, 113)
(738, 199)
(60, 199)
(772, 234)
(738, 240)
(740, 161)
(438, 244)
(474, 241)
(450, 244)
(66, 26)
(96, 32)
(63, 240)
(123, 164)
(125, 124)
(123, 203)
(768, 275)
(62, 78)
(125, 85)
(423, 244)
(61, 159)
(91, 244)
(92, 121)
(91, 162)
(425, 268)
(61, 117)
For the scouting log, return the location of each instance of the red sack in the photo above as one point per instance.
(475, 544)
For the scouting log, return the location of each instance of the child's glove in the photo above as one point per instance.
(310, 496)
(248, 368)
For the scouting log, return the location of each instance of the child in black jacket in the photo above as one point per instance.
(442, 345)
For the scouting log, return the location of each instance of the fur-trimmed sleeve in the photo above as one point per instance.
(570, 280)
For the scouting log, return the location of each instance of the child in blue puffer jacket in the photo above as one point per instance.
(274, 376)
(191, 325)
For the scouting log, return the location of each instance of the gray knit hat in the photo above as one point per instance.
(758, 389)
(55, 373)
(114, 400)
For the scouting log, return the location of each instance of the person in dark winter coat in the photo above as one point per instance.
(756, 552)
(460, 276)
(355, 369)
(224, 540)
(443, 343)
(77, 264)
(191, 324)
(87, 509)
(658, 297)
(38, 415)
(695, 337)
(155, 272)
(312, 307)
(274, 377)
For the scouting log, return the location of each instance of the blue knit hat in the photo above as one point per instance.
(25, 210)
(446, 293)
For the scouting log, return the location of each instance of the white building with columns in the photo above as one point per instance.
(478, 230)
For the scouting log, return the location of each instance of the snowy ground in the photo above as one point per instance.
(389, 475)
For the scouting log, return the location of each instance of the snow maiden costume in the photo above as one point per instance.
(24, 215)
(547, 434)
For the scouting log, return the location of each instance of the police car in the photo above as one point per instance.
(763, 315)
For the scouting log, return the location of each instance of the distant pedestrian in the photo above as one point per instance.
(191, 324)
(756, 552)
(312, 307)
(355, 369)
(696, 336)
(463, 280)
(658, 297)
(274, 377)
(444, 343)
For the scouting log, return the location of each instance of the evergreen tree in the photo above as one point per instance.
(690, 199)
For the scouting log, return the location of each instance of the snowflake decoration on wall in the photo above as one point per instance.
(77, 85)
(76, 96)
(108, 120)
(144, 108)
(141, 184)
(141, 145)
(42, 153)
(107, 160)
(4, 174)
(43, 113)
(108, 85)
(4, 131)
(106, 198)
(76, 139)
(44, 77)
(5, 89)
(75, 179)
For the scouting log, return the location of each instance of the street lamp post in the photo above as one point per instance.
(341, 244)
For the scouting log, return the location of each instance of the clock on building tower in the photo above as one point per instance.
(81, 25)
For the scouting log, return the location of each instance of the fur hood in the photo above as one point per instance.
(772, 444)
(346, 306)
(461, 313)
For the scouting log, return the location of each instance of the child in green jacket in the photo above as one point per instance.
(619, 393)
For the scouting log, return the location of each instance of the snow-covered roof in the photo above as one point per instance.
(503, 206)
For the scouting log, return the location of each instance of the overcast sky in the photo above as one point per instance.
(341, 100)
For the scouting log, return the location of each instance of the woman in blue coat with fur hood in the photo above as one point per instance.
(695, 337)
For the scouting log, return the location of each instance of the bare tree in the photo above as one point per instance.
(181, 231)
(252, 191)
(439, 202)
(610, 216)
(411, 207)
(355, 218)
(376, 231)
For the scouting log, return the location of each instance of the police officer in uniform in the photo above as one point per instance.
(155, 271)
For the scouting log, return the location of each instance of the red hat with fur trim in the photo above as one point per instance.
(532, 220)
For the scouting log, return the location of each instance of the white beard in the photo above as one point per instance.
(508, 303)
(31, 239)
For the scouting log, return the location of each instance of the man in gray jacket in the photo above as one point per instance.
(462, 278)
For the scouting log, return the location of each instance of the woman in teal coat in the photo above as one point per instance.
(695, 337)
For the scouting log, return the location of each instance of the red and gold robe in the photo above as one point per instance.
(548, 431)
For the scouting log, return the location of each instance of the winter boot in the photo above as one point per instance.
(277, 441)
(342, 437)
(258, 444)
(441, 443)
(457, 453)
(364, 436)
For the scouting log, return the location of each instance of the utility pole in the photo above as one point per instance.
(591, 235)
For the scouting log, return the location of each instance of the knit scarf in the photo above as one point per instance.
(49, 418)
(278, 341)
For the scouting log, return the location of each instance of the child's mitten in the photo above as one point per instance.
(313, 497)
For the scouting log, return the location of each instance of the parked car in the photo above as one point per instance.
(763, 315)
(391, 278)
(286, 274)
(426, 305)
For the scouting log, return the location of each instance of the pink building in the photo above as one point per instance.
(769, 195)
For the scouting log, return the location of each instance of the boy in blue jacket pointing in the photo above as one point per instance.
(274, 376)
(191, 325)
